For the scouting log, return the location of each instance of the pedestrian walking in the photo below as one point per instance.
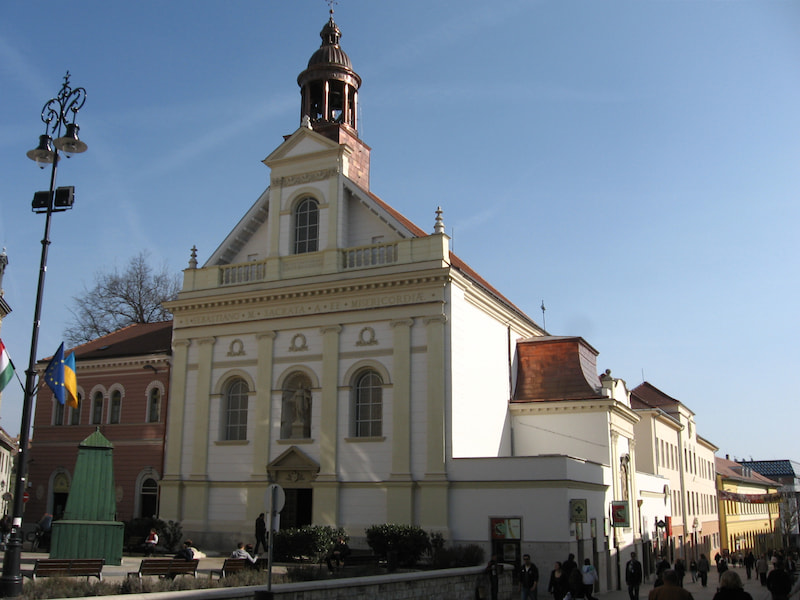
(261, 532)
(703, 567)
(633, 576)
(731, 587)
(528, 578)
(589, 575)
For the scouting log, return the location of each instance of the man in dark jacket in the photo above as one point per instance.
(779, 582)
(528, 578)
(261, 533)
(633, 576)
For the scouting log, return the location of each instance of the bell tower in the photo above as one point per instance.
(329, 86)
(329, 100)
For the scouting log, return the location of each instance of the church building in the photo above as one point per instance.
(333, 347)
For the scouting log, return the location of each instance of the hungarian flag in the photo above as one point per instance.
(6, 367)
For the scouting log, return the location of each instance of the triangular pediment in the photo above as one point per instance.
(293, 459)
(303, 142)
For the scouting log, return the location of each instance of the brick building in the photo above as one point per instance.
(123, 387)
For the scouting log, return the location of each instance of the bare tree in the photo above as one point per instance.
(119, 299)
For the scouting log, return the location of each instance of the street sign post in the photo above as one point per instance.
(275, 500)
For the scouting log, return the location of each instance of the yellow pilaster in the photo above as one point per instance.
(434, 488)
(400, 491)
(199, 468)
(326, 486)
(176, 403)
(262, 410)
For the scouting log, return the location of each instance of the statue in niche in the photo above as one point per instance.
(624, 463)
(296, 409)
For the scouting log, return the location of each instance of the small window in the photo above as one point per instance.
(58, 413)
(236, 410)
(368, 405)
(154, 406)
(97, 409)
(75, 413)
(116, 406)
(306, 226)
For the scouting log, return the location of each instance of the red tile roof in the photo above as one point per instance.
(730, 469)
(133, 340)
(646, 395)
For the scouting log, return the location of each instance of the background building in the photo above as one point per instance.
(749, 509)
(787, 473)
(668, 445)
(123, 387)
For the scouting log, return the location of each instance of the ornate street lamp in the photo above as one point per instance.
(58, 115)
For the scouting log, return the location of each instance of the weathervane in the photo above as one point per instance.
(330, 4)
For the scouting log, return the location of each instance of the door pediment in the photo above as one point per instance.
(293, 468)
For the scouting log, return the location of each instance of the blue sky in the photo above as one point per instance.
(634, 164)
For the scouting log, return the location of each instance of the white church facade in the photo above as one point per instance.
(332, 346)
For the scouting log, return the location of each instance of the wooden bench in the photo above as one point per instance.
(229, 567)
(165, 567)
(67, 567)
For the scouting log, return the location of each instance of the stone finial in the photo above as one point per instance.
(305, 122)
(193, 259)
(438, 226)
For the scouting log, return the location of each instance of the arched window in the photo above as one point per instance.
(75, 413)
(97, 409)
(296, 408)
(368, 390)
(154, 405)
(235, 403)
(116, 406)
(148, 498)
(306, 226)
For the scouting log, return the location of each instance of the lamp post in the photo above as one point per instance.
(58, 115)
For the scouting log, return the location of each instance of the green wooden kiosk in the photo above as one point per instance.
(88, 529)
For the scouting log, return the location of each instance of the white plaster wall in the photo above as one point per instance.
(529, 487)
(655, 504)
(579, 434)
(362, 507)
(228, 503)
(480, 380)
(363, 225)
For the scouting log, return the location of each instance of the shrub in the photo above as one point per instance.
(458, 556)
(312, 542)
(409, 542)
(171, 535)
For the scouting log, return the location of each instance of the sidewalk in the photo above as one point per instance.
(752, 586)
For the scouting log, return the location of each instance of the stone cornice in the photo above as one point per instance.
(293, 302)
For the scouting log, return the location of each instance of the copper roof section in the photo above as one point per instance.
(556, 368)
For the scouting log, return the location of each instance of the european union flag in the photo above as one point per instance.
(60, 377)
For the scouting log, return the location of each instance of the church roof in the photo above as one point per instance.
(330, 52)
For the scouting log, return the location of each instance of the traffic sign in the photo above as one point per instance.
(25, 497)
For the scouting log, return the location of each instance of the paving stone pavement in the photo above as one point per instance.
(751, 586)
